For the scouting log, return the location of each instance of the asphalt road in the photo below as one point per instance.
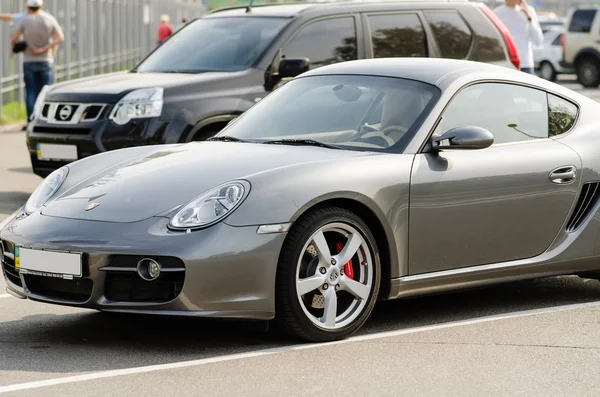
(520, 339)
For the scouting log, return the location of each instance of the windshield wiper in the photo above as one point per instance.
(226, 138)
(177, 71)
(187, 71)
(303, 142)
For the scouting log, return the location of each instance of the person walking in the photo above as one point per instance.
(165, 30)
(522, 23)
(42, 35)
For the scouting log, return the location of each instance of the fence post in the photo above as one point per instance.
(68, 39)
(109, 35)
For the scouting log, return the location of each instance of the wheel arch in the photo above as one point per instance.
(588, 51)
(386, 246)
(209, 123)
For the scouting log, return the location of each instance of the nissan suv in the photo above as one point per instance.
(218, 66)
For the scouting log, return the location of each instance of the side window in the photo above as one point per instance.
(511, 113)
(324, 42)
(556, 41)
(562, 115)
(582, 21)
(451, 32)
(397, 35)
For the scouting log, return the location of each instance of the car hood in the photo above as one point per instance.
(165, 179)
(110, 88)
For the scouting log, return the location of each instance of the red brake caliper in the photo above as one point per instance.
(348, 269)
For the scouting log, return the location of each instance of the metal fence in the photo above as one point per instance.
(101, 36)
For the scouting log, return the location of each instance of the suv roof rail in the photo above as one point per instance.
(320, 2)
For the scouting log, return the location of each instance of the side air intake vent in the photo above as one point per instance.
(590, 192)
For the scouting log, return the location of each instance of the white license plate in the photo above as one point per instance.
(48, 263)
(56, 152)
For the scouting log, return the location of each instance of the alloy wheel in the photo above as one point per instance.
(334, 276)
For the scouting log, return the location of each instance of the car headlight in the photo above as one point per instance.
(211, 207)
(39, 102)
(138, 104)
(46, 190)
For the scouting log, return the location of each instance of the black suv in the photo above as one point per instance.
(218, 66)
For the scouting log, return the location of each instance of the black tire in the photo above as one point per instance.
(547, 71)
(289, 313)
(588, 72)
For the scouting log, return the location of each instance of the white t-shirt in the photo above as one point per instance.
(525, 34)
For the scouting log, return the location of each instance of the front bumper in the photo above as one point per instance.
(97, 137)
(224, 271)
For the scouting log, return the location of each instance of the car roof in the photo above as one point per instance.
(429, 70)
(439, 72)
(293, 9)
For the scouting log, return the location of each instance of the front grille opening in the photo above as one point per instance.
(8, 264)
(92, 112)
(588, 198)
(45, 111)
(61, 130)
(77, 291)
(123, 286)
(131, 261)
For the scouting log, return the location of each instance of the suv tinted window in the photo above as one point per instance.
(324, 42)
(582, 21)
(214, 45)
(451, 32)
(562, 115)
(397, 35)
(511, 113)
(488, 46)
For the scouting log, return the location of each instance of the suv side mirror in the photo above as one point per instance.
(293, 67)
(470, 137)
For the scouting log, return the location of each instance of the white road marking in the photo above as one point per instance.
(267, 352)
(5, 296)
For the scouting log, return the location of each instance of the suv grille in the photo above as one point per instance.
(71, 113)
(61, 130)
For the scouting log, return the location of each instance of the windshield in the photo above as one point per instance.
(214, 45)
(351, 112)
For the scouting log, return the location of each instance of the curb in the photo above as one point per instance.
(11, 128)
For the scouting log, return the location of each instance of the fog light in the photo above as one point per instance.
(148, 269)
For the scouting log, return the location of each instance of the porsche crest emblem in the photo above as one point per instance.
(91, 206)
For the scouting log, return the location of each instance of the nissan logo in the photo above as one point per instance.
(65, 112)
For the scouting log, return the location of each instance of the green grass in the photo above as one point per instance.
(13, 113)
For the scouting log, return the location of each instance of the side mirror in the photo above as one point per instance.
(470, 137)
(293, 67)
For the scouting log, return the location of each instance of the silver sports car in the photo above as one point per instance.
(355, 182)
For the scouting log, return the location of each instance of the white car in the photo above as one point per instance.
(548, 56)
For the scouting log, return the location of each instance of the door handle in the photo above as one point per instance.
(563, 175)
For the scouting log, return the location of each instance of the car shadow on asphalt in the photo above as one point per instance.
(94, 341)
(8, 200)
(21, 170)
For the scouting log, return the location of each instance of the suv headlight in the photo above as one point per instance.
(46, 190)
(138, 104)
(211, 207)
